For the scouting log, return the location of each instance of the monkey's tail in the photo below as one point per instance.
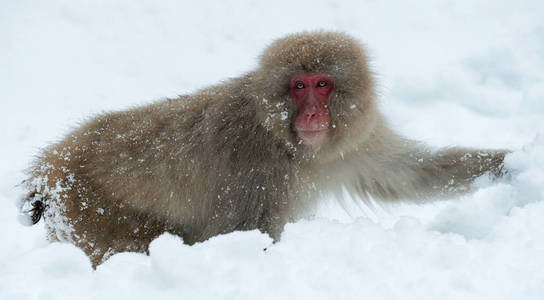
(31, 208)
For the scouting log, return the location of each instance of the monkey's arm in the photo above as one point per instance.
(420, 174)
(453, 170)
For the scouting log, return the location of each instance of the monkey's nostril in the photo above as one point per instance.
(310, 116)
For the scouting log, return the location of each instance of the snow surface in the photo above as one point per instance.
(451, 73)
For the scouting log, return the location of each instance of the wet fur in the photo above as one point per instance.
(226, 158)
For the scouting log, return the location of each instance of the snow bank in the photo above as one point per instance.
(451, 73)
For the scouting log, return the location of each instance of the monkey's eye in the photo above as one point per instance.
(299, 85)
(322, 83)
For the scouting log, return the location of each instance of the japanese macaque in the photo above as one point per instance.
(254, 152)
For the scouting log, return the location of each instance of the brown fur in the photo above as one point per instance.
(227, 158)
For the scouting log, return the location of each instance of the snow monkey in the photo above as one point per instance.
(254, 152)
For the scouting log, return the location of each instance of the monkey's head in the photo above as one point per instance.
(315, 92)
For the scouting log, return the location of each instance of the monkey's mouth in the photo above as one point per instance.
(312, 137)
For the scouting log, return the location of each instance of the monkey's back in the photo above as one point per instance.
(123, 178)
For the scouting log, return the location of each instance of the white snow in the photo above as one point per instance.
(464, 73)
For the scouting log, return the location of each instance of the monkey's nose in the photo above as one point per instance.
(310, 112)
(310, 115)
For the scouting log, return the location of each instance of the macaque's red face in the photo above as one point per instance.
(311, 95)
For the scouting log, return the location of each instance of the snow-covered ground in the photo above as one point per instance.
(465, 73)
